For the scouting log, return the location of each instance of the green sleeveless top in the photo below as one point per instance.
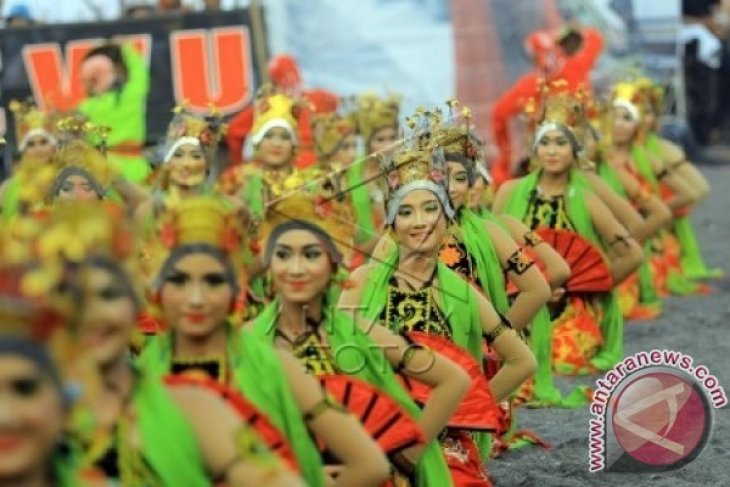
(251, 360)
(356, 354)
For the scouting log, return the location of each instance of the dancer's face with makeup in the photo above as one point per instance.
(31, 418)
(196, 295)
(109, 316)
(39, 147)
(458, 183)
(346, 152)
(420, 223)
(276, 149)
(555, 152)
(382, 141)
(624, 126)
(77, 188)
(301, 266)
(476, 192)
(188, 166)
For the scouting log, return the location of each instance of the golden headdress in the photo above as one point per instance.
(374, 113)
(653, 94)
(187, 128)
(457, 139)
(418, 164)
(30, 121)
(330, 129)
(630, 96)
(272, 110)
(30, 306)
(79, 157)
(205, 222)
(559, 110)
(322, 208)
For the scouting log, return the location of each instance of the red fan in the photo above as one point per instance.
(478, 409)
(386, 421)
(268, 433)
(589, 272)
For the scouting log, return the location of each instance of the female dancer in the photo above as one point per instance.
(411, 291)
(693, 265)
(195, 288)
(308, 236)
(128, 427)
(34, 135)
(629, 105)
(33, 402)
(588, 330)
(187, 164)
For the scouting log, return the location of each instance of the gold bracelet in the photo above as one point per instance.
(533, 239)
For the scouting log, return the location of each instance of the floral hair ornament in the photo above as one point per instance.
(200, 224)
(274, 110)
(373, 113)
(185, 128)
(418, 164)
(321, 208)
(558, 110)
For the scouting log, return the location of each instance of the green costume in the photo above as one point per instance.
(370, 366)
(612, 324)
(123, 109)
(250, 360)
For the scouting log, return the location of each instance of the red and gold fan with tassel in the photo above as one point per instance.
(382, 417)
(589, 272)
(478, 409)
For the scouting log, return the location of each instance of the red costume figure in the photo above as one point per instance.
(284, 74)
(570, 56)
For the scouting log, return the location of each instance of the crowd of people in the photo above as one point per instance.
(360, 302)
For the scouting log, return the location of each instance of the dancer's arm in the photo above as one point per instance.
(656, 213)
(518, 362)
(520, 269)
(218, 428)
(624, 252)
(448, 381)
(621, 209)
(676, 159)
(362, 460)
(558, 271)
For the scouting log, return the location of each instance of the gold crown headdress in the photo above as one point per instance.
(79, 157)
(201, 221)
(559, 110)
(373, 113)
(187, 128)
(322, 208)
(30, 306)
(457, 139)
(418, 164)
(653, 93)
(272, 110)
(76, 127)
(30, 121)
(330, 130)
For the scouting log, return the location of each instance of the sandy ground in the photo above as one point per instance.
(697, 326)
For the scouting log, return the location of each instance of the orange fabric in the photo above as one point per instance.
(576, 336)
(575, 70)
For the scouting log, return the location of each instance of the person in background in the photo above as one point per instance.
(19, 16)
(569, 54)
(285, 76)
(116, 81)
